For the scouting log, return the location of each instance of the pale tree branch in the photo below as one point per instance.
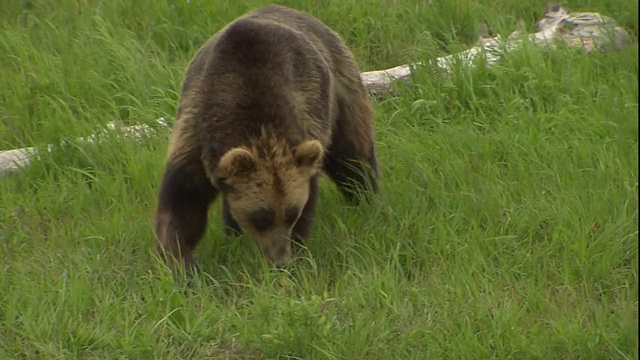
(586, 30)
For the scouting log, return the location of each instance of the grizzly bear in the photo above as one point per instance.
(267, 104)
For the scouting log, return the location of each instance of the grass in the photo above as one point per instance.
(506, 227)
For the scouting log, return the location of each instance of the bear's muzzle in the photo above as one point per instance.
(277, 248)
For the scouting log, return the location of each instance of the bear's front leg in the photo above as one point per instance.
(231, 227)
(351, 159)
(354, 174)
(302, 228)
(181, 216)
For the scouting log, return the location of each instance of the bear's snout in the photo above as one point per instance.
(278, 250)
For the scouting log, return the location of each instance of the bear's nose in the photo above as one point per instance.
(282, 263)
(281, 255)
(280, 252)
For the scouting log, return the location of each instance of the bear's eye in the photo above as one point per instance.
(291, 214)
(262, 219)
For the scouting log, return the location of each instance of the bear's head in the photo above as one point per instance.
(266, 188)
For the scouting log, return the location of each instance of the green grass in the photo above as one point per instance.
(506, 226)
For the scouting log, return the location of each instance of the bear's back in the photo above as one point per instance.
(272, 67)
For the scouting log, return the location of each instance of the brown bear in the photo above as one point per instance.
(267, 104)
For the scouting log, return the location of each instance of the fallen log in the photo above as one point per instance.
(587, 30)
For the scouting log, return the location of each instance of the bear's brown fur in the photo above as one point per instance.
(266, 104)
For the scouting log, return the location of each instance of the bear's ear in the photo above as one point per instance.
(308, 154)
(236, 162)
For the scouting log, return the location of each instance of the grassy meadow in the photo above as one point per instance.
(506, 226)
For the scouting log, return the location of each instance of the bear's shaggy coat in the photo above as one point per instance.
(267, 103)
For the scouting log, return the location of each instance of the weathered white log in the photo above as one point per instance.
(13, 160)
(587, 30)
